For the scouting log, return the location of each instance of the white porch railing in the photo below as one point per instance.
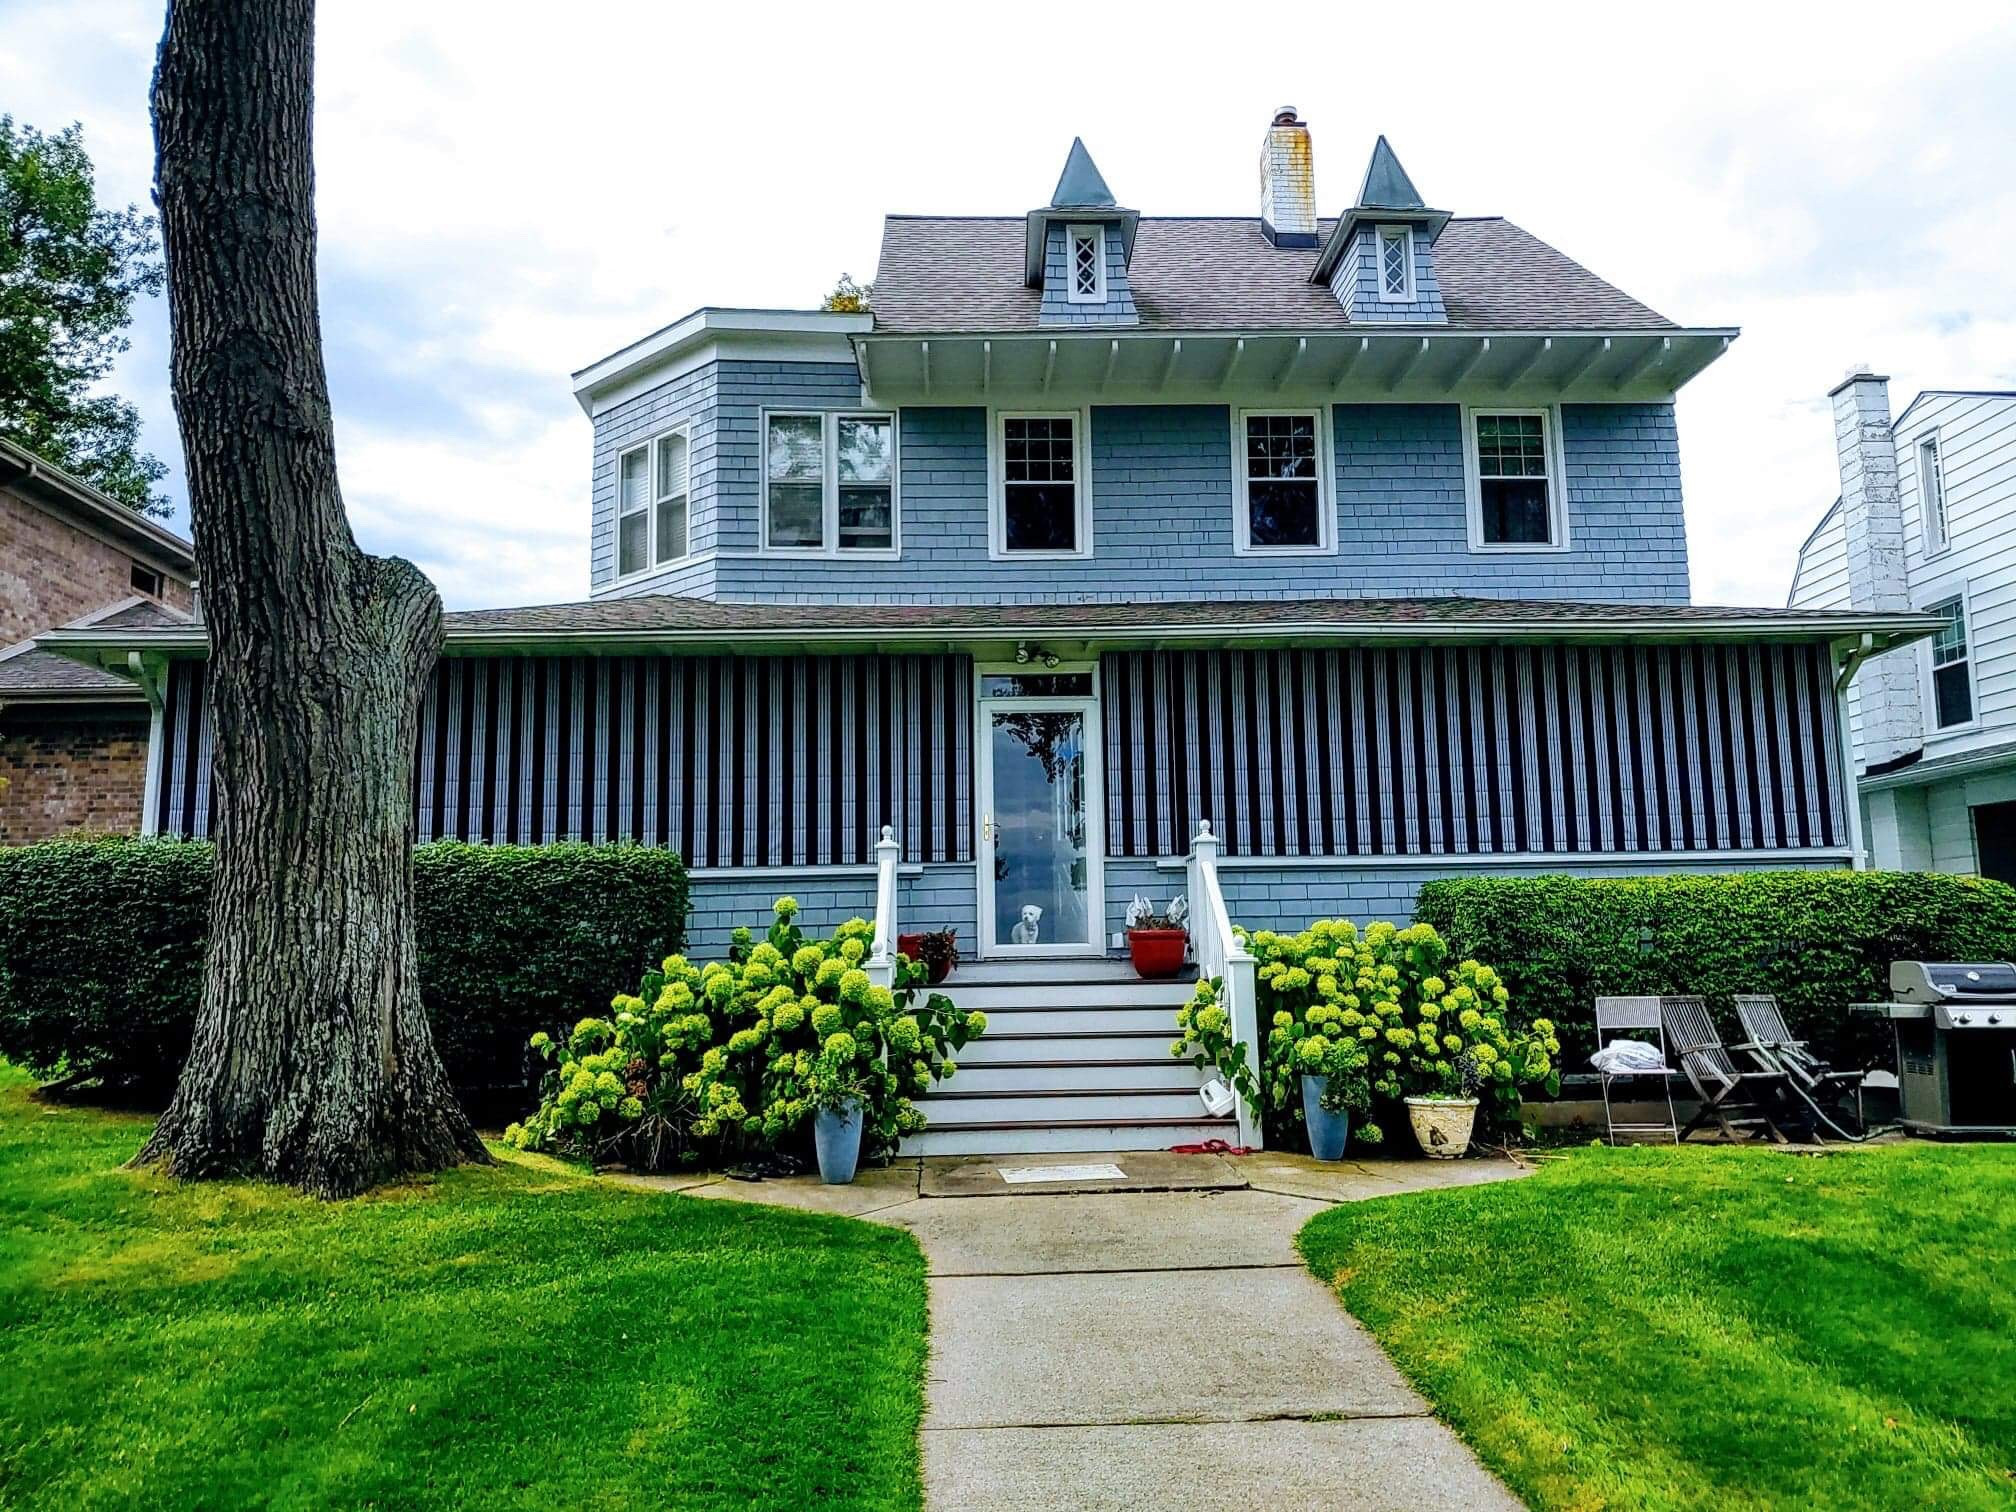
(1219, 954)
(881, 962)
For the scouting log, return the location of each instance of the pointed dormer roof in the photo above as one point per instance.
(1080, 185)
(1386, 183)
(1385, 195)
(1081, 195)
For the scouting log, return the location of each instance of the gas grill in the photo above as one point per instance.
(1955, 1024)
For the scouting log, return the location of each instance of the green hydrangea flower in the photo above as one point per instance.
(976, 1024)
(825, 1019)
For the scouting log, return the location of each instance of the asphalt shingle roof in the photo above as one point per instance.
(950, 273)
(38, 671)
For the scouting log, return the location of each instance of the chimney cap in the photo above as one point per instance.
(1859, 373)
(1284, 115)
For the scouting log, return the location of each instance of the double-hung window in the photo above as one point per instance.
(829, 482)
(1952, 673)
(1932, 493)
(1396, 263)
(652, 493)
(1040, 501)
(1515, 493)
(1085, 270)
(1283, 492)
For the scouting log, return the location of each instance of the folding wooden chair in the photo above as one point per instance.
(1824, 1090)
(1733, 1099)
(1640, 1014)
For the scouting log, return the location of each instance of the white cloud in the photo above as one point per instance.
(506, 192)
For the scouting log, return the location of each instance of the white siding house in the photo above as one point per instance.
(1947, 801)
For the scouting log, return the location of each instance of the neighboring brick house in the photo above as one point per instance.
(74, 739)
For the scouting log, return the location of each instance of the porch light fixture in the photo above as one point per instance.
(1025, 653)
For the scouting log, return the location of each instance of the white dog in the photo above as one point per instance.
(1025, 933)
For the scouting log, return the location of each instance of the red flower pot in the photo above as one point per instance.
(1157, 952)
(912, 945)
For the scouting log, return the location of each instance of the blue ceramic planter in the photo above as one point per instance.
(837, 1138)
(1328, 1132)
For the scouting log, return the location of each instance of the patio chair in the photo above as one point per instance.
(1825, 1091)
(1641, 1014)
(1733, 1099)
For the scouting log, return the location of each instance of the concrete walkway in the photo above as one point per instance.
(1154, 1341)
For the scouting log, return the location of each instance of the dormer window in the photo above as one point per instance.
(1085, 248)
(1396, 263)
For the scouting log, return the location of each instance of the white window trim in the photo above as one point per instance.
(1326, 468)
(997, 483)
(652, 565)
(830, 548)
(1379, 239)
(1072, 234)
(1942, 540)
(1557, 482)
(1950, 593)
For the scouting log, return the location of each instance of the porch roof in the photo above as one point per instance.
(1068, 629)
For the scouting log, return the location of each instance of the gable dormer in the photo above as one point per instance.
(1079, 248)
(1380, 259)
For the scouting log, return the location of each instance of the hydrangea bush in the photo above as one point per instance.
(1379, 1012)
(736, 1057)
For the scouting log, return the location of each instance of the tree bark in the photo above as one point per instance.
(312, 1062)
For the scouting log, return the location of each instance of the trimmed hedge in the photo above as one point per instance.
(1820, 941)
(101, 949)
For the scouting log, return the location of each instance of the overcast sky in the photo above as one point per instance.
(507, 192)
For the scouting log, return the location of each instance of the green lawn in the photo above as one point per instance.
(517, 1337)
(1709, 1327)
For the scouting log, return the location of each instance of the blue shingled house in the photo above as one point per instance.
(1280, 560)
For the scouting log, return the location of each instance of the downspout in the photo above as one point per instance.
(1848, 659)
(151, 672)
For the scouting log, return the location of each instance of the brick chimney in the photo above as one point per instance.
(1872, 524)
(1287, 182)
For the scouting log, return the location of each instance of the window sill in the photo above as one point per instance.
(1285, 551)
(1485, 548)
(835, 554)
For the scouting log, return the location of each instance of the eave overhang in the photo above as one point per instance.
(1388, 362)
(749, 332)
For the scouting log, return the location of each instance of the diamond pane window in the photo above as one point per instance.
(1284, 499)
(1087, 270)
(1514, 491)
(1395, 262)
(1039, 483)
(1952, 681)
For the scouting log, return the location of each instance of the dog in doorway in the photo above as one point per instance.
(1026, 933)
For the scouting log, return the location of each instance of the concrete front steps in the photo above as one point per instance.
(1075, 1058)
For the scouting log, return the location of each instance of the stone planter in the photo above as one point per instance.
(1157, 952)
(836, 1135)
(1328, 1132)
(1442, 1124)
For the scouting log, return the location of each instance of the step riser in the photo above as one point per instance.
(1088, 969)
(1133, 994)
(1162, 1020)
(1171, 1075)
(1082, 1107)
(1040, 1141)
(995, 1046)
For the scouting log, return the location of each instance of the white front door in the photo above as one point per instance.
(1041, 818)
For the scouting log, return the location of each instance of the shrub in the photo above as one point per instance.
(101, 948)
(1375, 1010)
(737, 1056)
(1819, 941)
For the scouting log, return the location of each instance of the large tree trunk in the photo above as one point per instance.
(312, 1062)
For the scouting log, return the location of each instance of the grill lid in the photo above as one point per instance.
(1953, 981)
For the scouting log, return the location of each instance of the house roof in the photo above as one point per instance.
(49, 486)
(1081, 185)
(28, 672)
(966, 274)
(1386, 184)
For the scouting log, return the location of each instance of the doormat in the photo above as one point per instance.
(1018, 1175)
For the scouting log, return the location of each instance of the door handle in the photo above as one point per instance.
(987, 828)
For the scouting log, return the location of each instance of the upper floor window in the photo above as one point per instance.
(1396, 263)
(829, 482)
(1283, 492)
(1515, 502)
(1952, 677)
(652, 493)
(1086, 249)
(1932, 493)
(146, 580)
(1040, 488)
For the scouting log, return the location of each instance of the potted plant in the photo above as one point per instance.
(838, 1091)
(1456, 1042)
(1335, 1083)
(1157, 942)
(936, 949)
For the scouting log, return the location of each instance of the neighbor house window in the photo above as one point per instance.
(1952, 679)
(652, 491)
(1932, 493)
(1041, 503)
(1515, 501)
(1086, 246)
(1282, 490)
(146, 580)
(1396, 262)
(829, 482)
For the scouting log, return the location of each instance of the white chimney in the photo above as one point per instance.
(1872, 523)
(1287, 182)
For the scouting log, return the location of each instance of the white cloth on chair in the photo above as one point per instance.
(1624, 1057)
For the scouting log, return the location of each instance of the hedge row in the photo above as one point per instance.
(1820, 941)
(101, 949)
